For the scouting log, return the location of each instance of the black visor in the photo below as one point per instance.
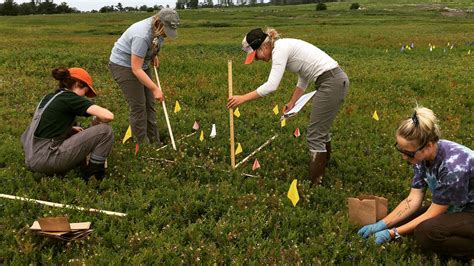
(255, 38)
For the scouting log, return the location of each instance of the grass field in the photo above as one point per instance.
(178, 213)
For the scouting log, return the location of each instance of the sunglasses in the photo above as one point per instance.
(410, 154)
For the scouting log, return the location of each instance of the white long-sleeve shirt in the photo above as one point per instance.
(297, 56)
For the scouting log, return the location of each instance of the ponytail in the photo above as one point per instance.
(421, 128)
(273, 36)
(65, 79)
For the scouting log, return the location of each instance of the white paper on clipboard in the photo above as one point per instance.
(298, 105)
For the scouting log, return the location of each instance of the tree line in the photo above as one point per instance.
(120, 8)
(182, 4)
(11, 8)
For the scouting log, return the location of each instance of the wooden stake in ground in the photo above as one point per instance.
(164, 110)
(231, 117)
(59, 205)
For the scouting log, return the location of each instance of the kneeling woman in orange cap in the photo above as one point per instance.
(312, 66)
(52, 144)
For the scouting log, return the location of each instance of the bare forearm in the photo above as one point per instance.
(100, 113)
(296, 95)
(403, 210)
(145, 79)
(433, 211)
(251, 96)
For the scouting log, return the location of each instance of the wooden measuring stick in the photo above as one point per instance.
(231, 116)
(166, 112)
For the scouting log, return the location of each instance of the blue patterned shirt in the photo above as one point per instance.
(450, 177)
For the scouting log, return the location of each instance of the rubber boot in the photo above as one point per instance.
(317, 167)
(94, 169)
(328, 152)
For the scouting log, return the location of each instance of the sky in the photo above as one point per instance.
(88, 5)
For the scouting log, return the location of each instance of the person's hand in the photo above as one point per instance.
(288, 107)
(155, 61)
(158, 94)
(382, 237)
(76, 130)
(235, 101)
(369, 229)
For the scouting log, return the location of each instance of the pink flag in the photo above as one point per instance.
(136, 148)
(256, 165)
(196, 125)
(297, 132)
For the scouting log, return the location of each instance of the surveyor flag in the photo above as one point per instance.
(297, 132)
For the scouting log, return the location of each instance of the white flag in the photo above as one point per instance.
(213, 131)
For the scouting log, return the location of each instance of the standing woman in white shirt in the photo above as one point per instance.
(312, 66)
(129, 64)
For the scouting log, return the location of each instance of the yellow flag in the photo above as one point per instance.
(177, 108)
(293, 193)
(128, 135)
(239, 149)
(201, 138)
(469, 52)
(375, 116)
(236, 112)
(283, 123)
(275, 109)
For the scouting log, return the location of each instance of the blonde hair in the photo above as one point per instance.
(157, 27)
(421, 128)
(273, 35)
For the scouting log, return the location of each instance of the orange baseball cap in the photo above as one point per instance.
(82, 75)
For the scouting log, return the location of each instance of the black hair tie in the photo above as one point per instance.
(414, 118)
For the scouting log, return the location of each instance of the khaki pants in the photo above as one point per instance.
(141, 104)
(58, 157)
(332, 86)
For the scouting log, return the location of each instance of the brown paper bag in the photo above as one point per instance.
(367, 209)
(54, 224)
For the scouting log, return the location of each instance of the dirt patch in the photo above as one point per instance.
(452, 12)
(431, 7)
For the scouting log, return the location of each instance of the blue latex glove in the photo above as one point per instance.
(382, 237)
(369, 229)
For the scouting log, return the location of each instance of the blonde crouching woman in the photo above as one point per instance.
(311, 65)
(129, 63)
(445, 168)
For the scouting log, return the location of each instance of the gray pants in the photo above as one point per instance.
(141, 104)
(332, 86)
(58, 157)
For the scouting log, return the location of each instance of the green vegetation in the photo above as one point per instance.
(178, 213)
(321, 6)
